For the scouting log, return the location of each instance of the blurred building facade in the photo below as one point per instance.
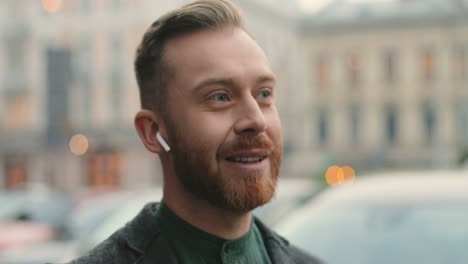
(362, 84)
(387, 82)
(66, 68)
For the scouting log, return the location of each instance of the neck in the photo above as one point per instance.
(201, 214)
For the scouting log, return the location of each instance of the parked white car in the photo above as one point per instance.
(404, 218)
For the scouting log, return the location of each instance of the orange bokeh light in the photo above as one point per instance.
(51, 6)
(336, 175)
(79, 144)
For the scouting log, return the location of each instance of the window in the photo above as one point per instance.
(323, 126)
(427, 65)
(355, 119)
(354, 65)
(16, 55)
(429, 121)
(116, 51)
(15, 171)
(389, 66)
(15, 81)
(59, 80)
(16, 8)
(18, 110)
(391, 124)
(322, 74)
(86, 6)
(462, 122)
(460, 67)
(104, 169)
(116, 4)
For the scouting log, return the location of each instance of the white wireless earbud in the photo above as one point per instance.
(163, 142)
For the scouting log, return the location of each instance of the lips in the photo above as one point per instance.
(245, 159)
(248, 156)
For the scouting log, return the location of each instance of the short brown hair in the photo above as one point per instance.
(152, 72)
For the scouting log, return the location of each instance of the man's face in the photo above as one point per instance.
(222, 121)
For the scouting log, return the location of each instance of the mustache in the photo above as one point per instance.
(260, 141)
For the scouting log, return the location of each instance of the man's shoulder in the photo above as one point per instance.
(300, 256)
(281, 250)
(112, 250)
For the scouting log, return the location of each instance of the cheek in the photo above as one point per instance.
(274, 126)
(208, 130)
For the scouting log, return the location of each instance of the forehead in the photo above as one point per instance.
(216, 53)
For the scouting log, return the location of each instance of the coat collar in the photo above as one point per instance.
(143, 229)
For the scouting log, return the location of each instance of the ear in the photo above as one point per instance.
(147, 125)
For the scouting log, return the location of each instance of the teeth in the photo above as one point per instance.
(246, 160)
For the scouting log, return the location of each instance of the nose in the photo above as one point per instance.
(250, 118)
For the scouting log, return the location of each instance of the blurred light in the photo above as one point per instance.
(79, 144)
(349, 174)
(336, 175)
(51, 6)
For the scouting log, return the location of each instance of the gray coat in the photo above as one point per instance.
(138, 243)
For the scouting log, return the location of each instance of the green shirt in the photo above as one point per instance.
(193, 245)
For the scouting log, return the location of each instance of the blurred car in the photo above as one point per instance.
(124, 210)
(12, 205)
(290, 193)
(24, 242)
(35, 253)
(35, 202)
(19, 233)
(32, 215)
(413, 217)
(93, 207)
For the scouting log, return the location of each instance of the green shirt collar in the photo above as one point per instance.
(174, 226)
(198, 246)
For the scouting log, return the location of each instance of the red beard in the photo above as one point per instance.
(239, 193)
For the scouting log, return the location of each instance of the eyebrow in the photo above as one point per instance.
(266, 78)
(230, 81)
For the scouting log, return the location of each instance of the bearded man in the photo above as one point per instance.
(208, 110)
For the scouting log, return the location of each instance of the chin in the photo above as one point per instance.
(247, 194)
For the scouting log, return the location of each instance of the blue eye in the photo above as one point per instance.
(264, 94)
(219, 97)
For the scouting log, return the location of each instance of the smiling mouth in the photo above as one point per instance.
(246, 159)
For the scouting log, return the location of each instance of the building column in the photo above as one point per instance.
(445, 151)
(373, 126)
